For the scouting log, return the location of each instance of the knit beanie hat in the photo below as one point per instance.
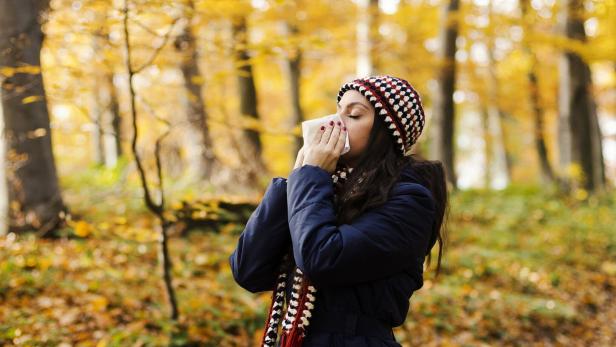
(396, 102)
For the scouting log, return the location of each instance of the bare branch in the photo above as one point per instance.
(148, 197)
(159, 170)
(157, 209)
(159, 48)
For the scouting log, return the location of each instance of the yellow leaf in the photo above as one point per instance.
(581, 194)
(31, 99)
(29, 69)
(82, 229)
(8, 71)
(197, 80)
(609, 268)
(120, 220)
(44, 263)
(99, 303)
(575, 170)
(38, 132)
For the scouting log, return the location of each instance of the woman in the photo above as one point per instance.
(344, 238)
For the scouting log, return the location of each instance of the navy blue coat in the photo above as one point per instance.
(371, 266)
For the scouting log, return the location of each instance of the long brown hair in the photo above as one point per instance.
(378, 169)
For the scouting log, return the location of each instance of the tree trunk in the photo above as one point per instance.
(444, 113)
(247, 91)
(488, 148)
(547, 173)
(98, 132)
(107, 116)
(579, 133)
(201, 157)
(295, 72)
(96, 106)
(367, 38)
(596, 137)
(34, 194)
(496, 115)
(113, 142)
(107, 120)
(4, 201)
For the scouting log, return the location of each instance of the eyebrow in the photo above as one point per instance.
(355, 103)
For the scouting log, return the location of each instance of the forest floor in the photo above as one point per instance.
(522, 268)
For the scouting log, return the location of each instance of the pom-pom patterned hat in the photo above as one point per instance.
(396, 102)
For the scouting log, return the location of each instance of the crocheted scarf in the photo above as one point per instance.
(303, 295)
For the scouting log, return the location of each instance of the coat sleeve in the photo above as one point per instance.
(261, 246)
(377, 244)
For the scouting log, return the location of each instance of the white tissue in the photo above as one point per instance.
(310, 126)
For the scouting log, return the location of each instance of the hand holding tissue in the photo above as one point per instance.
(310, 127)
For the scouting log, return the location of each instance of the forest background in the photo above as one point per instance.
(138, 137)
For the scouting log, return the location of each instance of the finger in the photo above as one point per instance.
(331, 144)
(341, 141)
(318, 135)
(300, 156)
(327, 133)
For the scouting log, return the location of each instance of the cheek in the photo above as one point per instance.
(358, 136)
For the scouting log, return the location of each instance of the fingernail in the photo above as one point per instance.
(331, 122)
(344, 128)
(338, 122)
(322, 127)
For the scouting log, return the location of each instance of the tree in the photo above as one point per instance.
(547, 173)
(108, 98)
(156, 207)
(294, 67)
(579, 134)
(203, 160)
(367, 38)
(107, 121)
(495, 113)
(34, 194)
(444, 113)
(247, 90)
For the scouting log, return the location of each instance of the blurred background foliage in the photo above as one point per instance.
(222, 86)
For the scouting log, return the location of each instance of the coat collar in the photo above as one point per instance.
(408, 174)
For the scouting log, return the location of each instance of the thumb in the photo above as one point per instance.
(300, 157)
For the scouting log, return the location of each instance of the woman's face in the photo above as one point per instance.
(357, 114)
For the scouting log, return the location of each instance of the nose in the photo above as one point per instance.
(341, 118)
